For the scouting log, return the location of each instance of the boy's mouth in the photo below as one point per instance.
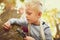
(28, 21)
(27, 18)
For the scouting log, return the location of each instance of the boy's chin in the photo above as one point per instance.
(31, 22)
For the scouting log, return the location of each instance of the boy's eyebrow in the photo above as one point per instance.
(29, 12)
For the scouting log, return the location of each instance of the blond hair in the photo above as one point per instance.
(34, 5)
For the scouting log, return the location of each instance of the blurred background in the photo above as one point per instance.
(14, 8)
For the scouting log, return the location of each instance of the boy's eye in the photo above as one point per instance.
(29, 13)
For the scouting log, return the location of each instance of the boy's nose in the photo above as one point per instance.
(27, 16)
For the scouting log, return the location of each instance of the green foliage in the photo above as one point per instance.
(22, 0)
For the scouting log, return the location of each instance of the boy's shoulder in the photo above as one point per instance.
(45, 25)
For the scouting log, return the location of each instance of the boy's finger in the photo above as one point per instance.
(25, 38)
(6, 27)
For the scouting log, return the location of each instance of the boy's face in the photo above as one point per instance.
(32, 16)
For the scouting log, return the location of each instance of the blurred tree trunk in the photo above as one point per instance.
(11, 34)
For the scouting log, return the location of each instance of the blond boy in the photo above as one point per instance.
(32, 17)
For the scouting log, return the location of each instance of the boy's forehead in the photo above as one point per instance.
(29, 9)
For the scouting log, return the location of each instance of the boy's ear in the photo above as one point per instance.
(39, 14)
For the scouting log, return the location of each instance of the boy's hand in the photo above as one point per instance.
(29, 38)
(7, 25)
